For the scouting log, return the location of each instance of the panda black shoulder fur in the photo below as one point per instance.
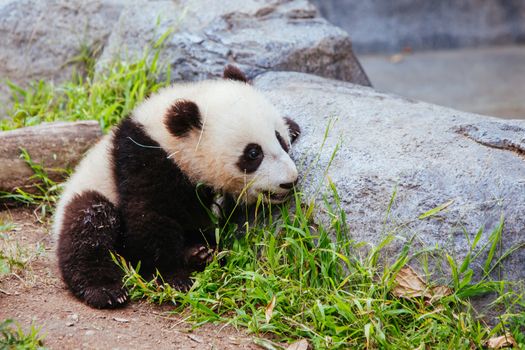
(136, 192)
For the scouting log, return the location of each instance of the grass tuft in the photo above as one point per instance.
(107, 95)
(16, 339)
(15, 258)
(43, 194)
(291, 278)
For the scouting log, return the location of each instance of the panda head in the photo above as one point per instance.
(226, 135)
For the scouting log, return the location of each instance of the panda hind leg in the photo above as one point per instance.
(90, 231)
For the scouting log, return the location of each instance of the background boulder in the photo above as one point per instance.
(46, 39)
(40, 39)
(255, 35)
(429, 155)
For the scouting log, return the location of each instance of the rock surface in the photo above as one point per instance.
(429, 154)
(41, 38)
(255, 35)
(385, 25)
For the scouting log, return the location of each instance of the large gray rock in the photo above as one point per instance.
(429, 154)
(256, 35)
(40, 38)
(386, 25)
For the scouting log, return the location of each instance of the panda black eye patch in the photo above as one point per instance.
(283, 143)
(252, 156)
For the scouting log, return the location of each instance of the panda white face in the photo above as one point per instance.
(246, 142)
(263, 162)
(225, 135)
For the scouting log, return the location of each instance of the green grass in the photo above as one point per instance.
(43, 194)
(106, 96)
(330, 290)
(12, 337)
(15, 258)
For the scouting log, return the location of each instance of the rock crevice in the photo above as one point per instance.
(498, 135)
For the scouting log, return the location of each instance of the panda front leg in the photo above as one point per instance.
(195, 258)
(198, 256)
(90, 231)
(160, 243)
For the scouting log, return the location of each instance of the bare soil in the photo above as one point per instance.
(38, 296)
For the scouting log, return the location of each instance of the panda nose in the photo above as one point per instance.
(289, 185)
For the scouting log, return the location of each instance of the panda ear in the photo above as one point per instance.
(181, 117)
(234, 73)
(293, 129)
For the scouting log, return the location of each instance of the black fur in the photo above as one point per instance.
(160, 207)
(181, 117)
(160, 222)
(234, 73)
(93, 230)
(293, 128)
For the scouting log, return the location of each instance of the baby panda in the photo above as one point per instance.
(145, 190)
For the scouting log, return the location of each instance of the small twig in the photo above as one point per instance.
(179, 322)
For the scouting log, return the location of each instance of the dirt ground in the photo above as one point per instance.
(38, 295)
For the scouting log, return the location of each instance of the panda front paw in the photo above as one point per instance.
(106, 297)
(199, 256)
(182, 284)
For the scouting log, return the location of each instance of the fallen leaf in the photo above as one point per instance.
(409, 284)
(500, 342)
(440, 292)
(269, 309)
(299, 345)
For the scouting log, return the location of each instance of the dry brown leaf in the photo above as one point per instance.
(440, 292)
(409, 284)
(299, 345)
(269, 309)
(501, 342)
